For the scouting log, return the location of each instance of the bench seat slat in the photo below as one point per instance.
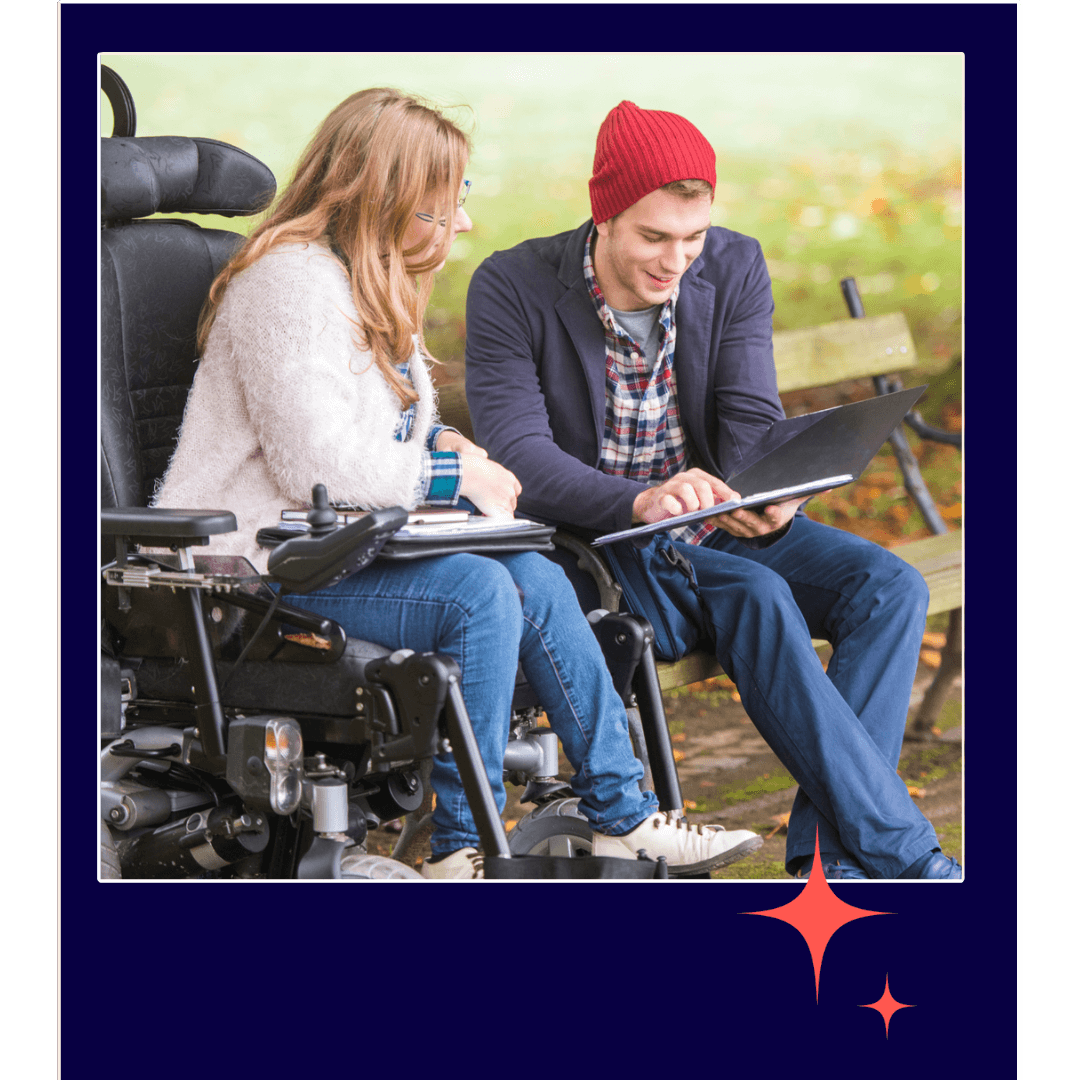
(940, 561)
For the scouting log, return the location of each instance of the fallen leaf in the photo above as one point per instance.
(930, 657)
(934, 639)
(702, 712)
(678, 755)
(679, 737)
(542, 720)
(916, 792)
(510, 824)
(689, 804)
(735, 696)
(951, 513)
(935, 731)
(706, 783)
(782, 823)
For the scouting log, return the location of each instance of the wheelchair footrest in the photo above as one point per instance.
(578, 868)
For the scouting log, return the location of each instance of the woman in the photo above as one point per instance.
(313, 370)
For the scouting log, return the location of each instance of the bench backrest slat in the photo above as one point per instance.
(837, 351)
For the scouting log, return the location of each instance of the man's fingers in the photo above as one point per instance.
(672, 506)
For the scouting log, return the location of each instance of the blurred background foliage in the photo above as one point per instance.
(840, 164)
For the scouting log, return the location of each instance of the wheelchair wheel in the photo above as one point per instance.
(360, 866)
(556, 828)
(109, 859)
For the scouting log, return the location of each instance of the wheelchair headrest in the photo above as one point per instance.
(172, 174)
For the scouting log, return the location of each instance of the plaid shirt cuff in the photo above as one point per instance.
(440, 477)
(434, 433)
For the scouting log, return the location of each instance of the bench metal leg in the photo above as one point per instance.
(952, 663)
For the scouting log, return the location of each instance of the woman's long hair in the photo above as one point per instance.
(376, 160)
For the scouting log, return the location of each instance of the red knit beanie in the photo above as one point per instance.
(640, 150)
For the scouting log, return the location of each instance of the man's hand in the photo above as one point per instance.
(698, 490)
(454, 441)
(766, 519)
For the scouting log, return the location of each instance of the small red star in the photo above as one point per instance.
(817, 913)
(887, 1005)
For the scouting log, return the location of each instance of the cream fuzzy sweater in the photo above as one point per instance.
(283, 399)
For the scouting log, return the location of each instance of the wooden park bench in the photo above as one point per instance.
(878, 348)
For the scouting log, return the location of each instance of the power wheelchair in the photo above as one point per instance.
(241, 735)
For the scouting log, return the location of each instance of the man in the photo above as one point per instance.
(620, 371)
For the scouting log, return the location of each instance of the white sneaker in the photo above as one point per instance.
(465, 864)
(687, 848)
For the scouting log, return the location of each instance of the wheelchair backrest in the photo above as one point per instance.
(155, 275)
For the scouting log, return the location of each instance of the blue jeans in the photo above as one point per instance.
(838, 732)
(467, 607)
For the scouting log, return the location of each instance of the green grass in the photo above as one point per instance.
(762, 785)
(927, 764)
(950, 716)
(951, 838)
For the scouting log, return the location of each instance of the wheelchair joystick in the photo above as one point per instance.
(321, 517)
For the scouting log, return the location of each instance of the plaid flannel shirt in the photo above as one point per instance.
(440, 470)
(643, 437)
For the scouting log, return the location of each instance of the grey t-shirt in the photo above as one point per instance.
(644, 328)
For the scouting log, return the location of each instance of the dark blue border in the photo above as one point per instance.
(679, 972)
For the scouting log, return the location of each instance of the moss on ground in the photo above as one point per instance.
(750, 870)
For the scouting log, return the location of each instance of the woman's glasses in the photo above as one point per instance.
(462, 196)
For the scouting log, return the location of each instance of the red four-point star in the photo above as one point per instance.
(817, 913)
(886, 1005)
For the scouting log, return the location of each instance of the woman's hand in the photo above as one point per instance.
(492, 489)
(456, 442)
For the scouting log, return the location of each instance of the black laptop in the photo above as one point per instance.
(801, 456)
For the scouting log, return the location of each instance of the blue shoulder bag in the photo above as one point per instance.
(659, 584)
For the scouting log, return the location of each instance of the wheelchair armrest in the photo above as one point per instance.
(161, 526)
(589, 560)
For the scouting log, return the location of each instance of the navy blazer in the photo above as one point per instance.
(535, 370)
